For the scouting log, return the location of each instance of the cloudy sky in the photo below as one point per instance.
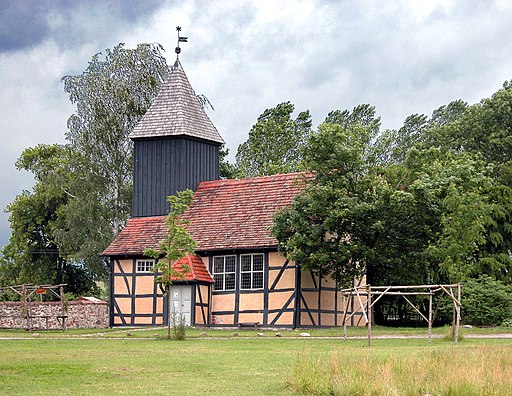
(403, 57)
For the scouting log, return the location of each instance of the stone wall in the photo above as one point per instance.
(79, 314)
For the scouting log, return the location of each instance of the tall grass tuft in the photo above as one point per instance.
(484, 370)
(179, 325)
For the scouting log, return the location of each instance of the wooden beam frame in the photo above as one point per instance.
(453, 291)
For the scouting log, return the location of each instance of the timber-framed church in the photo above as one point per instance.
(236, 275)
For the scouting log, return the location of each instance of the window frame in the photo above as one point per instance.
(144, 266)
(252, 271)
(224, 273)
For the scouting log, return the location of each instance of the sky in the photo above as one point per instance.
(403, 57)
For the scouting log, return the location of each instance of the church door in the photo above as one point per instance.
(181, 302)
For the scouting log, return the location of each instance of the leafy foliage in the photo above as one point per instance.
(397, 207)
(176, 245)
(486, 302)
(275, 142)
(82, 194)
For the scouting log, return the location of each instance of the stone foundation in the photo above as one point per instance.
(81, 313)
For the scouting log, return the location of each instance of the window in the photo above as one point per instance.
(251, 271)
(224, 272)
(145, 265)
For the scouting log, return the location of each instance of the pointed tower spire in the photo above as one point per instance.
(176, 146)
(176, 111)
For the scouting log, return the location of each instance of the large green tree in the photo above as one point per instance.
(275, 143)
(430, 217)
(83, 189)
(33, 255)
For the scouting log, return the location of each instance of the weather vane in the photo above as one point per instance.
(181, 39)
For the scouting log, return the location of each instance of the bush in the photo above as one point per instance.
(486, 302)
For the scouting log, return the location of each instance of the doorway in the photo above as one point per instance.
(180, 303)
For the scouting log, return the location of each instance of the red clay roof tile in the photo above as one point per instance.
(194, 269)
(224, 214)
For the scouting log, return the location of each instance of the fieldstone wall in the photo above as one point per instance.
(81, 313)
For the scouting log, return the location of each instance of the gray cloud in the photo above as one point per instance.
(25, 24)
(403, 57)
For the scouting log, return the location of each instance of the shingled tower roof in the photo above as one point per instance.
(176, 111)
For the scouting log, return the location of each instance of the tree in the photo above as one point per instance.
(320, 229)
(111, 96)
(88, 181)
(177, 244)
(33, 255)
(275, 143)
(422, 221)
(227, 169)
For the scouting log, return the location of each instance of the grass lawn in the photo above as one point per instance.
(144, 332)
(209, 366)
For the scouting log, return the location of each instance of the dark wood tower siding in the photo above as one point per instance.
(162, 167)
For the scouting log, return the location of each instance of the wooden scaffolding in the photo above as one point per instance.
(375, 293)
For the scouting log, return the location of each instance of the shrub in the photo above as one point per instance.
(486, 302)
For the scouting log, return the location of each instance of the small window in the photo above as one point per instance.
(224, 272)
(251, 271)
(145, 265)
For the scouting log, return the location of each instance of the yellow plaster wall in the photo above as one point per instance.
(199, 315)
(278, 299)
(287, 279)
(223, 302)
(126, 265)
(327, 300)
(286, 319)
(125, 305)
(328, 319)
(275, 259)
(307, 281)
(305, 320)
(144, 284)
(250, 301)
(144, 305)
(223, 319)
(143, 321)
(204, 294)
(311, 299)
(120, 285)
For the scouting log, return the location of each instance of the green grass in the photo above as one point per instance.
(210, 366)
(144, 332)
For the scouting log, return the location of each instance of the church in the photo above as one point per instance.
(237, 276)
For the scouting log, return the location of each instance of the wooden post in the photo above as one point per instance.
(457, 312)
(369, 309)
(63, 308)
(430, 319)
(344, 303)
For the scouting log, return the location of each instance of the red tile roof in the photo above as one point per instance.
(195, 267)
(140, 233)
(224, 214)
(237, 213)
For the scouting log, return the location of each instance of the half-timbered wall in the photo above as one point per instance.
(135, 297)
(289, 298)
(202, 305)
(321, 305)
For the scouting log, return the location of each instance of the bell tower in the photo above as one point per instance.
(176, 146)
